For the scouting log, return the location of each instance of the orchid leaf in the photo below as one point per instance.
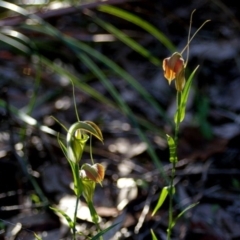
(69, 220)
(161, 199)
(183, 212)
(184, 98)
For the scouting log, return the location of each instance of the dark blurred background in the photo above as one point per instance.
(114, 57)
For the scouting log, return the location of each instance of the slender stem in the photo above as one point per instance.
(91, 156)
(171, 193)
(171, 190)
(74, 101)
(78, 192)
(192, 37)
(75, 218)
(94, 216)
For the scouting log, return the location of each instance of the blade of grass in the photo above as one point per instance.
(69, 220)
(139, 22)
(28, 119)
(127, 40)
(12, 42)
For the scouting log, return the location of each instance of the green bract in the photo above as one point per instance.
(88, 189)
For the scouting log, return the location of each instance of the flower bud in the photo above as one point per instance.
(94, 172)
(174, 67)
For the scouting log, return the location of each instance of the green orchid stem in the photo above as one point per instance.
(94, 216)
(78, 192)
(171, 190)
(75, 218)
(171, 194)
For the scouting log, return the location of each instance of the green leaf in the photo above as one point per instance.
(69, 220)
(184, 97)
(154, 237)
(172, 149)
(161, 199)
(181, 213)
